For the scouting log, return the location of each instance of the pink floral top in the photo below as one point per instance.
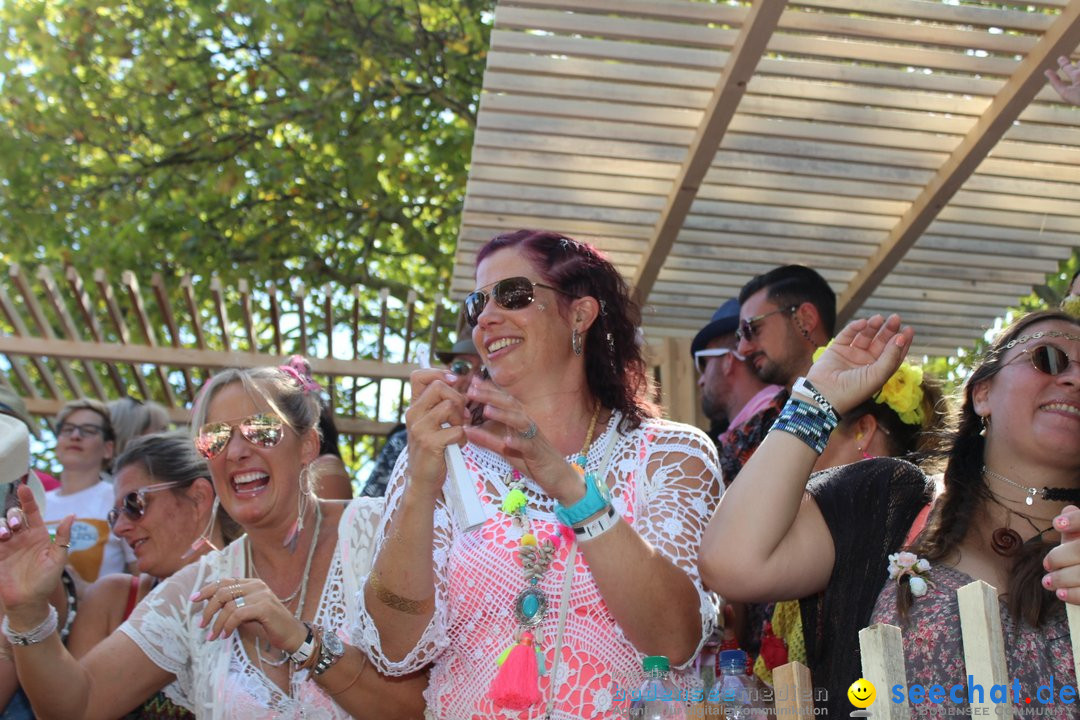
(934, 653)
(664, 482)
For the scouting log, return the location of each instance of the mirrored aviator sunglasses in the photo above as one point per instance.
(510, 294)
(134, 503)
(262, 430)
(1049, 359)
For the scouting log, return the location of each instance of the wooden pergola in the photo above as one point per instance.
(909, 150)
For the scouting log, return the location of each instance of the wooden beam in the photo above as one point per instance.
(753, 38)
(190, 357)
(1007, 105)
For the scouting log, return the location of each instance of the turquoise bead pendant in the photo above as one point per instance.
(530, 606)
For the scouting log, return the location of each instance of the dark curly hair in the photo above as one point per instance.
(966, 491)
(615, 367)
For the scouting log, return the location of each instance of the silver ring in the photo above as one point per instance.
(239, 601)
(530, 433)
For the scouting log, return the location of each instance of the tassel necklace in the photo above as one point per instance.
(517, 683)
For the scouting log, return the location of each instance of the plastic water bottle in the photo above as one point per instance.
(657, 698)
(741, 696)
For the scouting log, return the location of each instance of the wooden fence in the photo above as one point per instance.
(62, 337)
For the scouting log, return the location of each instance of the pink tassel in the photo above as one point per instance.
(517, 684)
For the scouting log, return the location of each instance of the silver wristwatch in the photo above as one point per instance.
(330, 651)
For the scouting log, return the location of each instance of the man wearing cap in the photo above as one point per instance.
(464, 361)
(730, 391)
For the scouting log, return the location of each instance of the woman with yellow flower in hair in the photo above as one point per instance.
(877, 541)
(903, 420)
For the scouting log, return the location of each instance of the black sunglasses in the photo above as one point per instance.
(1048, 359)
(748, 327)
(510, 294)
(134, 503)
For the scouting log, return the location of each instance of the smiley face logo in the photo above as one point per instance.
(862, 693)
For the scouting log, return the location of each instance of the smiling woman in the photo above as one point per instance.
(253, 630)
(596, 506)
(856, 540)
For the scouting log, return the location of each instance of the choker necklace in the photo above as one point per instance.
(301, 590)
(1071, 495)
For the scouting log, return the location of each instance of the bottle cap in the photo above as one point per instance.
(654, 663)
(733, 658)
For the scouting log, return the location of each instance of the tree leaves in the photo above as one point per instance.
(261, 140)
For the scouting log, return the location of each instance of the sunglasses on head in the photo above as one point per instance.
(134, 503)
(510, 294)
(748, 327)
(263, 430)
(1048, 359)
(701, 357)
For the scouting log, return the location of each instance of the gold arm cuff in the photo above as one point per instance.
(393, 600)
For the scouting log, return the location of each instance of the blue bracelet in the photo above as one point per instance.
(808, 422)
(596, 499)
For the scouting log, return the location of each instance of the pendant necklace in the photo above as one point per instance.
(516, 684)
(301, 590)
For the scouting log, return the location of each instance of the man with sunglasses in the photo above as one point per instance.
(463, 360)
(730, 391)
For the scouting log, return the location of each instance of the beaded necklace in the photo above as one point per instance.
(515, 685)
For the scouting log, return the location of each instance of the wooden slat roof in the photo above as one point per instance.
(908, 150)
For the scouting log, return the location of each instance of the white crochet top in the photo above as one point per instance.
(665, 482)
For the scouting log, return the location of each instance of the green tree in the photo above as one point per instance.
(259, 139)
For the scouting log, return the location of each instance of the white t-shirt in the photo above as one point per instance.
(95, 551)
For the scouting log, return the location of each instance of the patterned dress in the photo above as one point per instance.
(664, 482)
(934, 649)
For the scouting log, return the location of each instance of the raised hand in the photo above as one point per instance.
(435, 404)
(30, 562)
(1069, 91)
(860, 360)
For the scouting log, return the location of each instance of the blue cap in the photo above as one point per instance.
(724, 321)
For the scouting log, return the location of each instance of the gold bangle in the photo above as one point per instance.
(363, 666)
(397, 602)
(316, 649)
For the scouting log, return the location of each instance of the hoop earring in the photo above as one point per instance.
(575, 342)
(292, 539)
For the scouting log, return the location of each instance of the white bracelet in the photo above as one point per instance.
(599, 526)
(802, 385)
(34, 636)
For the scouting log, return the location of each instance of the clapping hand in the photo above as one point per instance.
(860, 360)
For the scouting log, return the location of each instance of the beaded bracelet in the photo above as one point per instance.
(804, 386)
(33, 636)
(806, 421)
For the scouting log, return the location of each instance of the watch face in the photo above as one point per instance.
(602, 488)
(333, 644)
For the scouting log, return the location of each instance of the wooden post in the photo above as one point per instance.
(984, 645)
(883, 665)
(793, 691)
